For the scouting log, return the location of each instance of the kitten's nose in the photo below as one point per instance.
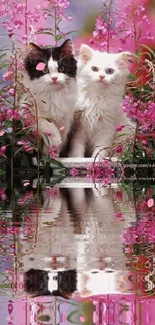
(54, 79)
(101, 77)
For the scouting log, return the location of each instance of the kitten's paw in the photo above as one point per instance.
(50, 133)
(52, 139)
(100, 152)
(53, 142)
(56, 141)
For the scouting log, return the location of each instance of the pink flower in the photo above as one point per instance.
(102, 171)
(74, 172)
(13, 114)
(118, 149)
(53, 191)
(7, 75)
(149, 152)
(53, 152)
(25, 37)
(119, 195)
(21, 142)
(2, 194)
(2, 151)
(26, 145)
(11, 91)
(119, 128)
(28, 148)
(118, 214)
(142, 232)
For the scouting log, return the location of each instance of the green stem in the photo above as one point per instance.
(37, 125)
(109, 24)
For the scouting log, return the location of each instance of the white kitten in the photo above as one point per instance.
(101, 79)
(53, 89)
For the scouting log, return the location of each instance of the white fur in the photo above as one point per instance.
(99, 100)
(54, 101)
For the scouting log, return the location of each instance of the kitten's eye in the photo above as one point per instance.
(45, 70)
(94, 68)
(110, 71)
(61, 69)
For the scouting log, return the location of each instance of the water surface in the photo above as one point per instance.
(103, 235)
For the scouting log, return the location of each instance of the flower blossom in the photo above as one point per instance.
(26, 146)
(53, 152)
(7, 75)
(2, 151)
(144, 113)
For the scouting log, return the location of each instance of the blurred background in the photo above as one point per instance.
(82, 16)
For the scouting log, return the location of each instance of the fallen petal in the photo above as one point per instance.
(150, 203)
(26, 184)
(62, 128)
(40, 66)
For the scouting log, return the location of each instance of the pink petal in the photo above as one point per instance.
(82, 319)
(62, 128)
(74, 172)
(3, 149)
(118, 214)
(40, 66)
(26, 183)
(1, 133)
(150, 203)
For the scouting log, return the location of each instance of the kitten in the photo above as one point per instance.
(53, 88)
(101, 80)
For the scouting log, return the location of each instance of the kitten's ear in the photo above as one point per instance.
(123, 59)
(33, 48)
(67, 48)
(86, 53)
(33, 51)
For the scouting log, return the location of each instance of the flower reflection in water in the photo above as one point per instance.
(76, 228)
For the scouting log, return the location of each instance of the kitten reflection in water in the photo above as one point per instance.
(43, 283)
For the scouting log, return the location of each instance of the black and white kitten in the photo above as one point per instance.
(50, 76)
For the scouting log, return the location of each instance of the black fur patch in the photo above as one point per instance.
(43, 54)
(36, 282)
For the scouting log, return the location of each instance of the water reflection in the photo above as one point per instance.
(80, 224)
(84, 245)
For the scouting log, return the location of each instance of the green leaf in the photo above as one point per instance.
(3, 65)
(45, 138)
(2, 56)
(56, 163)
(2, 172)
(72, 31)
(149, 49)
(56, 180)
(58, 37)
(49, 33)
